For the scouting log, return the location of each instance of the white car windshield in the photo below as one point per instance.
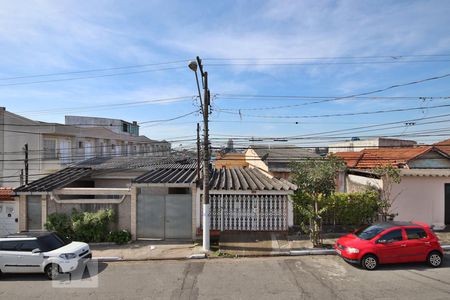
(51, 242)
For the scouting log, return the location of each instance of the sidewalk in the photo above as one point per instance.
(145, 250)
(230, 244)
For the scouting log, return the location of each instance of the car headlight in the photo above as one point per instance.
(68, 256)
(352, 250)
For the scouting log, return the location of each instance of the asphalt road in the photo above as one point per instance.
(308, 277)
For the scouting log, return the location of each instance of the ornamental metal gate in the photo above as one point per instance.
(248, 212)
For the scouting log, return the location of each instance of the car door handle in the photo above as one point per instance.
(427, 243)
(403, 245)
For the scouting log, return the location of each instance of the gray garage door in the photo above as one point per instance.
(34, 213)
(164, 217)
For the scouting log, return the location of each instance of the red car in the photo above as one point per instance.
(390, 242)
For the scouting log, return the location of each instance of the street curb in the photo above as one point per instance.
(107, 258)
(312, 252)
(304, 252)
(197, 256)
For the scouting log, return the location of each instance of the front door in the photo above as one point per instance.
(8, 218)
(34, 212)
(447, 204)
(390, 247)
(27, 261)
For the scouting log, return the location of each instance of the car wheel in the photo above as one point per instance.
(369, 262)
(52, 271)
(434, 259)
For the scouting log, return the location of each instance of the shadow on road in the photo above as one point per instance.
(20, 277)
(417, 266)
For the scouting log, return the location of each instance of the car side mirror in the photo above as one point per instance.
(37, 250)
(382, 241)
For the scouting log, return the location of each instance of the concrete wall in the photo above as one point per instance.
(254, 161)
(356, 146)
(421, 199)
(418, 198)
(231, 160)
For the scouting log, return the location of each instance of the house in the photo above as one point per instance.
(424, 191)
(53, 146)
(356, 145)
(160, 198)
(229, 157)
(276, 160)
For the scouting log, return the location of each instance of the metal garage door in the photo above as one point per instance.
(178, 217)
(164, 217)
(8, 218)
(150, 216)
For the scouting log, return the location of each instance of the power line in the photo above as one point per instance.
(94, 70)
(334, 115)
(256, 64)
(393, 56)
(93, 76)
(150, 101)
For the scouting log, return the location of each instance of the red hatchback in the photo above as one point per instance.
(391, 242)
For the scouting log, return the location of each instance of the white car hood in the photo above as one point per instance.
(74, 247)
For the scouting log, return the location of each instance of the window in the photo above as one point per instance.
(28, 245)
(80, 145)
(393, 236)
(51, 242)
(369, 232)
(415, 233)
(49, 149)
(9, 245)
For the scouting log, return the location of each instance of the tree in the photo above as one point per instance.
(316, 180)
(389, 176)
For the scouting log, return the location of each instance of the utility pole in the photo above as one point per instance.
(198, 152)
(206, 208)
(26, 163)
(204, 106)
(21, 177)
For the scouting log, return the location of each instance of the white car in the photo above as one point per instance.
(41, 252)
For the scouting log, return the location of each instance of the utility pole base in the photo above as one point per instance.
(205, 219)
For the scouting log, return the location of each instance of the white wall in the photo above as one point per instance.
(421, 199)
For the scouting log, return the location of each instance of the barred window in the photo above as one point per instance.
(50, 149)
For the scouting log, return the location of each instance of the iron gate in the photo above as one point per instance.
(249, 212)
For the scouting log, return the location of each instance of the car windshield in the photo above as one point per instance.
(368, 232)
(51, 242)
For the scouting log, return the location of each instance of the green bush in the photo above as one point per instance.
(119, 237)
(92, 227)
(348, 210)
(89, 227)
(60, 223)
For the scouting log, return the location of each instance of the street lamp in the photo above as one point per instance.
(204, 105)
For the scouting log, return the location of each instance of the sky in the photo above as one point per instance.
(250, 49)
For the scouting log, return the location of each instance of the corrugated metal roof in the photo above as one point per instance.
(134, 162)
(55, 180)
(236, 179)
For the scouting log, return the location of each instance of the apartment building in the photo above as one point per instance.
(52, 146)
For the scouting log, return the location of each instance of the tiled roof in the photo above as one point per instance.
(55, 180)
(6, 193)
(444, 146)
(221, 179)
(372, 158)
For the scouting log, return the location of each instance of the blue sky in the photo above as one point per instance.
(42, 37)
